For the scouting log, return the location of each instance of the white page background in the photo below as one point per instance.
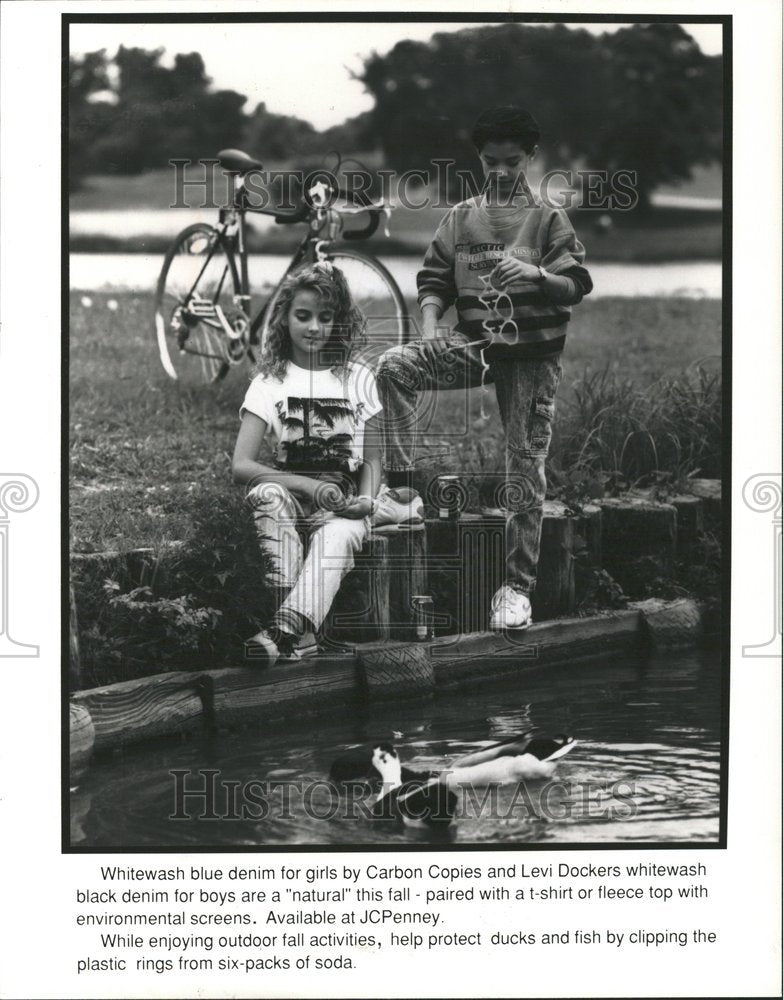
(38, 938)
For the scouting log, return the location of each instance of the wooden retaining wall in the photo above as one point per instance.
(460, 564)
(119, 715)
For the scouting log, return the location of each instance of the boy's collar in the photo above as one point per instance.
(525, 199)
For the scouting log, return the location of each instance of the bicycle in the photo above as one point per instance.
(203, 322)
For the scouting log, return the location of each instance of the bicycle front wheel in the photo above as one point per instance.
(199, 327)
(375, 292)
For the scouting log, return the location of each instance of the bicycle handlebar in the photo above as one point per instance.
(365, 204)
(299, 214)
(303, 210)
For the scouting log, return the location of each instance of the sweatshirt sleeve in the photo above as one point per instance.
(435, 281)
(564, 254)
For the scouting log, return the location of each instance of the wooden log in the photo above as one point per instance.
(710, 491)
(166, 704)
(588, 553)
(143, 708)
(671, 624)
(90, 569)
(690, 522)
(396, 670)
(75, 660)
(590, 527)
(130, 568)
(465, 566)
(690, 516)
(470, 660)
(283, 693)
(636, 530)
(81, 737)
(80, 805)
(360, 612)
(407, 578)
(555, 592)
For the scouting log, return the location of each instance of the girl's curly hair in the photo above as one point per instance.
(349, 322)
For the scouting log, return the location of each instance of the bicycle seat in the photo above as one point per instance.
(237, 161)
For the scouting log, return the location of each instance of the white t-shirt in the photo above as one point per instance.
(315, 419)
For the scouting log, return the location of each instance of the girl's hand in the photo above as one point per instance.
(512, 269)
(329, 496)
(357, 508)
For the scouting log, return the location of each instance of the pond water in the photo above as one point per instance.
(139, 272)
(646, 768)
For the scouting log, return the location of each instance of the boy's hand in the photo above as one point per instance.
(511, 270)
(329, 496)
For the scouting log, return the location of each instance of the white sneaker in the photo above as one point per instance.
(399, 509)
(510, 610)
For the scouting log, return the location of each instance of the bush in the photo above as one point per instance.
(185, 607)
(611, 429)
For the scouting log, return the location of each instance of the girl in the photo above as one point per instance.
(321, 411)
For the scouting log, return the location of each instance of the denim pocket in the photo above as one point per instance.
(540, 433)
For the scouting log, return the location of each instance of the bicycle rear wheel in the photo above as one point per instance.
(199, 327)
(375, 292)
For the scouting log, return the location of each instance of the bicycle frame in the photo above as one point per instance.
(310, 245)
(232, 316)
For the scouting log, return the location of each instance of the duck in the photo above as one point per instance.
(419, 801)
(356, 765)
(524, 757)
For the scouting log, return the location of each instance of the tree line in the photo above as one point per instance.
(643, 98)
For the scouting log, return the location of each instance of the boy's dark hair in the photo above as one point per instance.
(506, 124)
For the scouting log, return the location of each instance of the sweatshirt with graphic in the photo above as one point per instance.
(521, 321)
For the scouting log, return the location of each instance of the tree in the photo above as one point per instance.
(663, 106)
(644, 98)
(278, 137)
(146, 113)
(88, 116)
(428, 95)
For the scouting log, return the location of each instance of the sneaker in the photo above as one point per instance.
(306, 646)
(399, 509)
(510, 610)
(271, 646)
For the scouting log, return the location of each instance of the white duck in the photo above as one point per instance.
(521, 758)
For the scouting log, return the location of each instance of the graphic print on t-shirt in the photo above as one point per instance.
(318, 434)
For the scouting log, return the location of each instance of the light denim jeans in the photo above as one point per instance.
(311, 580)
(525, 391)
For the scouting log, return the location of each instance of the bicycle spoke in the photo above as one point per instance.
(199, 278)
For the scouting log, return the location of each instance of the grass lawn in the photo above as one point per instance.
(146, 452)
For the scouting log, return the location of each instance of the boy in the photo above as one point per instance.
(513, 267)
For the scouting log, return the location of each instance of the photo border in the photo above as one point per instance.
(356, 17)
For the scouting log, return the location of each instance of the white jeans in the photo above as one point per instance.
(314, 579)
